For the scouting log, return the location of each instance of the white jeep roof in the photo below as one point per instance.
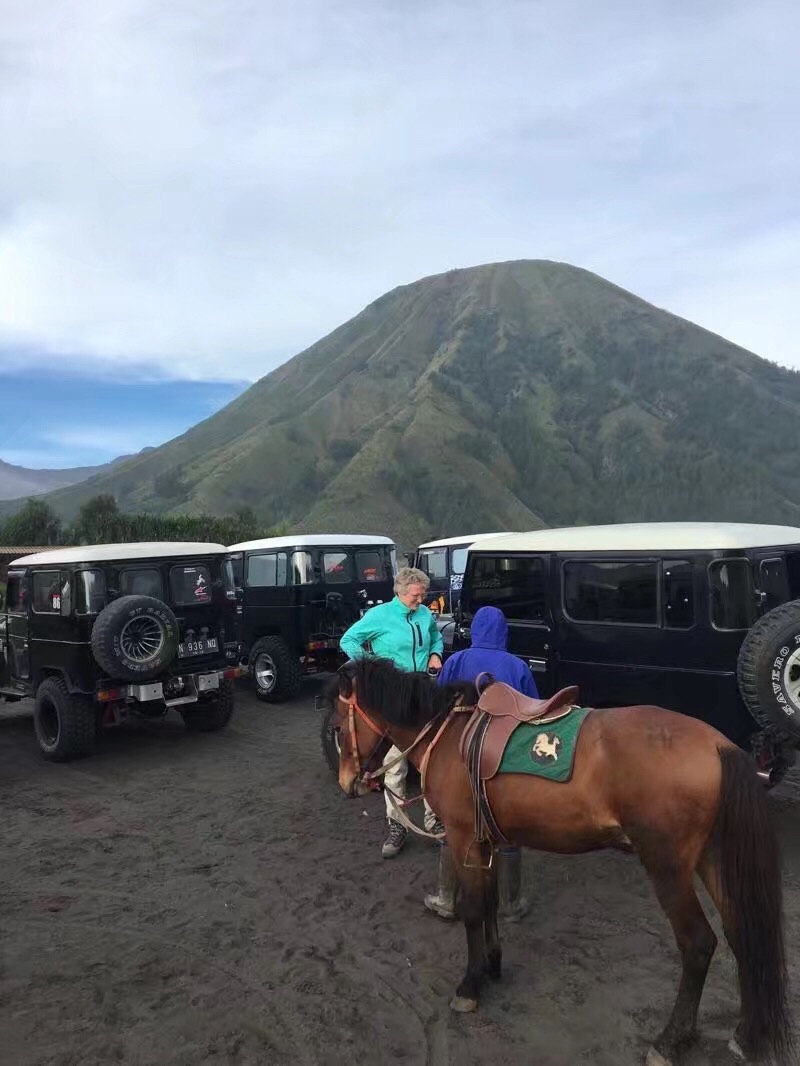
(646, 536)
(313, 540)
(102, 553)
(467, 538)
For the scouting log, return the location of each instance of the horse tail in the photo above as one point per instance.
(747, 857)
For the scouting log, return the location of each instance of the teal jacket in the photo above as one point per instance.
(394, 632)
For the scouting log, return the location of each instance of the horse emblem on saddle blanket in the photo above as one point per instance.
(545, 747)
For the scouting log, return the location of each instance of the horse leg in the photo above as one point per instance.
(696, 942)
(471, 909)
(491, 933)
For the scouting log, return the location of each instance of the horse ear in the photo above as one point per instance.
(345, 673)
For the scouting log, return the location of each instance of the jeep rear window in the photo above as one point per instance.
(91, 592)
(369, 566)
(141, 582)
(190, 584)
(515, 584)
(337, 567)
(620, 593)
(733, 602)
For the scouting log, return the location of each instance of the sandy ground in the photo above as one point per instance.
(182, 899)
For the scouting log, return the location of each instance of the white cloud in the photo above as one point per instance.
(209, 186)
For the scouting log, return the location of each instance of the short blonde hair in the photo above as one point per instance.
(409, 575)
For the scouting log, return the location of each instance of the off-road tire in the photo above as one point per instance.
(772, 647)
(111, 626)
(330, 746)
(65, 723)
(287, 672)
(212, 713)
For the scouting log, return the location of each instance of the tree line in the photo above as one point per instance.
(100, 521)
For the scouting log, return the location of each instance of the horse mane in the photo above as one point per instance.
(402, 697)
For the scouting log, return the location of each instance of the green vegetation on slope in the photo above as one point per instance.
(503, 396)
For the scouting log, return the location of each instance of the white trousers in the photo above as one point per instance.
(395, 780)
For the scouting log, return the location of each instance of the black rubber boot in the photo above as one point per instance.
(443, 902)
(513, 904)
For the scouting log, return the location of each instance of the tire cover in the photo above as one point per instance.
(114, 621)
(768, 670)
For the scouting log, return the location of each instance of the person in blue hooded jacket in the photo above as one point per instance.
(488, 654)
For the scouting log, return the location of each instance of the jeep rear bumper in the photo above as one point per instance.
(186, 688)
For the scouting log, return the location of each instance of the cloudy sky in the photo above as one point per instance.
(191, 191)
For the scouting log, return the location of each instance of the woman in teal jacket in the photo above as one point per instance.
(405, 631)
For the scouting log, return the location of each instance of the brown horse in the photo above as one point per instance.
(666, 786)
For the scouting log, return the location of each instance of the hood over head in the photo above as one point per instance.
(489, 629)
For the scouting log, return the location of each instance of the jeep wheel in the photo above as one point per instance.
(274, 669)
(135, 638)
(768, 670)
(65, 724)
(330, 740)
(213, 713)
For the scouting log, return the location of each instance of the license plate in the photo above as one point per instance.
(197, 647)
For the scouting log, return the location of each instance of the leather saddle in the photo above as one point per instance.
(499, 711)
(501, 700)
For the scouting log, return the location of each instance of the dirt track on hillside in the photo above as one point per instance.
(186, 899)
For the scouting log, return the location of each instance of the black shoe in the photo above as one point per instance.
(437, 827)
(395, 839)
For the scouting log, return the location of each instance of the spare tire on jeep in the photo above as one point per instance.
(135, 637)
(768, 670)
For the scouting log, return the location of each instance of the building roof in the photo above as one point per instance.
(313, 540)
(646, 536)
(14, 550)
(101, 553)
(466, 538)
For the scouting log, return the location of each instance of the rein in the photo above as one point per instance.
(371, 778)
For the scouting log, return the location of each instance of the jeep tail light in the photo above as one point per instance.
(109, 694)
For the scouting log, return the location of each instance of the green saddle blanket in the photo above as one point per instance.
(544, 750)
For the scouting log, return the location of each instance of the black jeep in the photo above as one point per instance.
(703, 618)
(297, 595)
(97, 633)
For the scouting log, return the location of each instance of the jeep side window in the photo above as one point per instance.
(621, 593)
(14, 596)
(47, 591)
(733, 603)
(91, 592)
(267, 570)
(141, 582)
(302, 568)
(515, 584)
(337, 568)
(458, 559)
(678, 594)
(434, 563)
(773, 582)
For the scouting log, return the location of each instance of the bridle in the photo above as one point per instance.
(371, 778)
(363, 771)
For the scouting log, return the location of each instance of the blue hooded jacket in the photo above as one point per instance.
(489, 637)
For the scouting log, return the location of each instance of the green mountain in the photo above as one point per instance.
(504, 396)
(18, 481)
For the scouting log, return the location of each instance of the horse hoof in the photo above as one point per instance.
(462, 1005)
(655, 1058)
(735, 1049)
